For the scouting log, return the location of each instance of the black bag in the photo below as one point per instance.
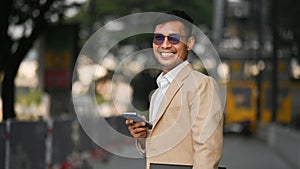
(172, 166)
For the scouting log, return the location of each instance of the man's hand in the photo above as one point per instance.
(137, 130)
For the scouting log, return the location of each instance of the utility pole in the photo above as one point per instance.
(259, 6)
(218, 22)
(275, 60)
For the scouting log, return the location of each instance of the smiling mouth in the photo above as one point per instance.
(167, 54)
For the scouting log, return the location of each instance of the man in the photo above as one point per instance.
(186, 109)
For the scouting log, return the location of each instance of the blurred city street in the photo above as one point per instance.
(70, 68)
(239, 152)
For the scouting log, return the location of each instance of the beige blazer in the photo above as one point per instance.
(189, 123)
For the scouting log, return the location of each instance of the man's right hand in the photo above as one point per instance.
(137, 130)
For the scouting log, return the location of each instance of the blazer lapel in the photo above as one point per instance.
(151, 105)
(172, 90)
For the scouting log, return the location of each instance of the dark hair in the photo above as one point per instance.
(176, 15)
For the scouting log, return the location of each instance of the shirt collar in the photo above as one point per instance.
(170, 76)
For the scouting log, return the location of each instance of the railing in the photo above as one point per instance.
(49, 144)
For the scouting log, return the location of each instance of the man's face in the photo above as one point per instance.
(170, 55)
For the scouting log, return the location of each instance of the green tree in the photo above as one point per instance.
(31, 17)
(288, 21)
(283, 19)
(97, 12)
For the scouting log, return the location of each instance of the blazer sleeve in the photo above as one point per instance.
(207, 125)
(141, 146)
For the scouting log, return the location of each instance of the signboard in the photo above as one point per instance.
(60, 53)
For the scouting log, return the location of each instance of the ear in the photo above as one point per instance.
(190, 43)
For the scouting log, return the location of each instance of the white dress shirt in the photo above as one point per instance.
(163, 82)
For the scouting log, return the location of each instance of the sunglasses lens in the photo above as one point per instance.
(158, 39)
(174, 38)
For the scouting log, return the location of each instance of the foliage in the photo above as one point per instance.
(96, 13)
(287, 23)
(33, 97)
(21, 23)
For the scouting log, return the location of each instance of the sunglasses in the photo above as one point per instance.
(173, 38)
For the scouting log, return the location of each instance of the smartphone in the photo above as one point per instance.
(136, 118)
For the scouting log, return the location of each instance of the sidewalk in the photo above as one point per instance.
(117, 162)
(250, 153)
(239, 152)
